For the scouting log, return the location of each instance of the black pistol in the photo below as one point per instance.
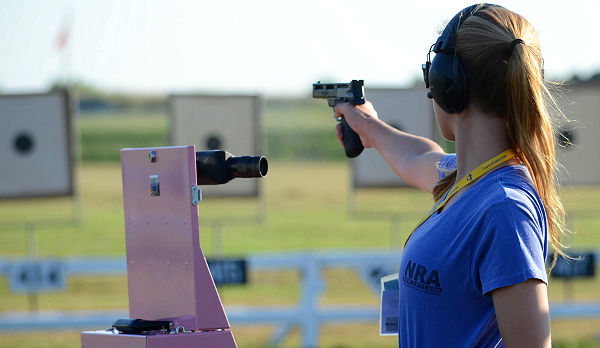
(336, 93)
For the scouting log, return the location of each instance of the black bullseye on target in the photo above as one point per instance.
(566, 138)
(214, 142)
(396, 125)
(23, 143)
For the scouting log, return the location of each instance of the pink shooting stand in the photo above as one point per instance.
(167, 273)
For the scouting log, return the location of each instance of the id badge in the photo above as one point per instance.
(388, 309)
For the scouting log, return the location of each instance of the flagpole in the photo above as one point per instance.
(64, 48)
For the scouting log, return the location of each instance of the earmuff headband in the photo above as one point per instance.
(445, 75)
(446, 41)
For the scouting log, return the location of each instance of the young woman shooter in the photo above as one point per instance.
(473, 272)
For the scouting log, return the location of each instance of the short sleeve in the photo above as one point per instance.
(512, 248)
(446, 165)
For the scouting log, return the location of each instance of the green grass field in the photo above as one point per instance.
(306, 209)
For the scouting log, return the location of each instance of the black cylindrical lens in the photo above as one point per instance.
(248, 166)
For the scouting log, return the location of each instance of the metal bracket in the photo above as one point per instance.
(154, 185)
(196, 195)
(180, 329)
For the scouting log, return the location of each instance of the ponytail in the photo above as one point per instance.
(531, 132)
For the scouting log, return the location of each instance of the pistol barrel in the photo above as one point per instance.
(216, 167)
(248, 166)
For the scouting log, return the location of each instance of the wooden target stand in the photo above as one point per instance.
(37, 166)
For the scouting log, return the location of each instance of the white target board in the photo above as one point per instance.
(219, 122)
(580, 158)
(408, 110)
(35, 146)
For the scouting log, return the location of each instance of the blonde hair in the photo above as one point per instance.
(509, 81)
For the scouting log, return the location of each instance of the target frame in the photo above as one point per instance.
(27, 186)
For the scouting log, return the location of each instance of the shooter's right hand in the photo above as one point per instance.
(359, 118)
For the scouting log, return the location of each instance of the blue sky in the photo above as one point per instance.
(272, 47)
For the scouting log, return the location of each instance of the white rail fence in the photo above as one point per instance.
(307, 315)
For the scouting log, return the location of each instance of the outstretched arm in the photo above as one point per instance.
(413, 158)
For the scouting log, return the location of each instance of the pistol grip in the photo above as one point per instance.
(351, 140)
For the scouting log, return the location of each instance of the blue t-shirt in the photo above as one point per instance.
(493, 235)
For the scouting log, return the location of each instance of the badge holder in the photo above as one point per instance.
(388, 309)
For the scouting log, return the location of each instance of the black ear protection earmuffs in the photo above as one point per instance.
(445, 76)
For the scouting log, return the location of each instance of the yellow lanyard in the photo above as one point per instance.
(472, 176)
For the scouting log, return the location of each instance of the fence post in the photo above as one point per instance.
(312, 286)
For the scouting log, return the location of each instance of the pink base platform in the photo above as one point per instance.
(207, 339)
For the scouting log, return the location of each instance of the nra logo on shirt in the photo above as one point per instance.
(419, 277)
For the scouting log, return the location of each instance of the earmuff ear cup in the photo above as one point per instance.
(448, 83)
